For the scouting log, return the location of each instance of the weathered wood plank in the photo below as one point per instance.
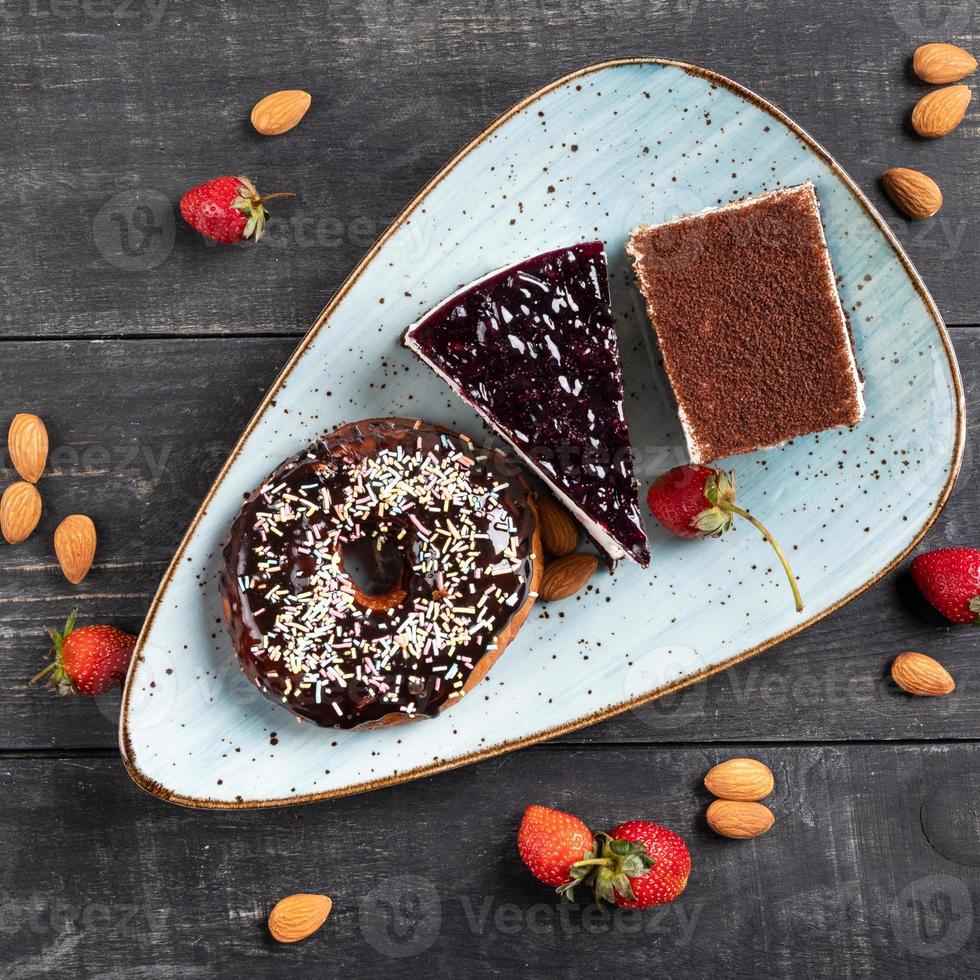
(112, 109)
(872, 869)
(144, 425)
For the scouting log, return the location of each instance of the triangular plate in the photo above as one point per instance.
(589, 156)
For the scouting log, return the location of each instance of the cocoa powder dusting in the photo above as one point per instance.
(745, 310)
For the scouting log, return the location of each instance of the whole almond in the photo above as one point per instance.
(739, 820)
(918, 674)
(27, 442)
(940, 64)
(20, 510)
(565, 576)
(74, 544)
(940, 112)
(298, 916)
(740, 779)
(281, 111)
(912, 192)
(559, 533)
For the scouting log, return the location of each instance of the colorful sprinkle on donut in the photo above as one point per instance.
(369, 575)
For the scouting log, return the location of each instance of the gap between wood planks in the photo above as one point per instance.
(253, 335)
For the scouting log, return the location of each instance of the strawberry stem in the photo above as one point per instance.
(759, 526)
(271, 197)
(40, 675)
(590, 861)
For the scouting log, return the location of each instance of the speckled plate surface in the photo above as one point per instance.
(588, 156)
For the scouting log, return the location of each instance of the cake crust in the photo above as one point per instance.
(754, 338)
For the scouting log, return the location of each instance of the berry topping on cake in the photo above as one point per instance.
(533, 349)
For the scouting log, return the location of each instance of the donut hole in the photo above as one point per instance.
(376, 566)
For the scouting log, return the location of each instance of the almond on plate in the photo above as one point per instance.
(739, 820)
(940, 112)
(740, 779)
(915, 673)
(20, 510)
(298, 916)
(912, 192)
(27, 443)
(74, 544)
(280, 112)
(566, 576)
(559, 533)
(940, 64)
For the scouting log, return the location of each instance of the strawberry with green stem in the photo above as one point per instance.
(227, 209)
(695, 501)
(89, 659)
(636, 865)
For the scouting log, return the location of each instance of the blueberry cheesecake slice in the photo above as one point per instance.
(533, 349)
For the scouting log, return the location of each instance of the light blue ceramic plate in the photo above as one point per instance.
(587, 157)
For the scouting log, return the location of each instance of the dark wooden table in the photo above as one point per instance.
(146, 352)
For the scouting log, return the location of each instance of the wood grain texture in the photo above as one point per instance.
(109, 118)
(850, 882)
(111, 110)
(139, 457)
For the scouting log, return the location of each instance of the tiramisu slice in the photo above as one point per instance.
(533, 349)
(754, 339)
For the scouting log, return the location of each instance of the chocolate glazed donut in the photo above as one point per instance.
(375, 578)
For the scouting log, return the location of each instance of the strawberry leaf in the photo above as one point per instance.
(59, 676)
(713, 522)
(711, 490)
(725, 481)
(619, 861)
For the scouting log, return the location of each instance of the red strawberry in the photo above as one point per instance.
(228, 209)
(678, 499)
(89, 660)
(950, 579)
(550, 842)
(641, 864)
(698, 502)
